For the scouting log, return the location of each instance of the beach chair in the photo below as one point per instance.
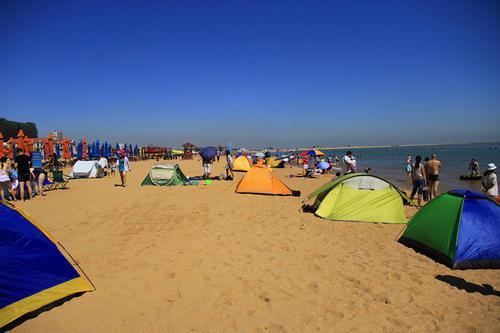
(59, 179)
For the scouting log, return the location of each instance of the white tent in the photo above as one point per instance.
(86, 169)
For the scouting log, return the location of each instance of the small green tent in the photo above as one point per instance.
(165, 175)
(360, 197)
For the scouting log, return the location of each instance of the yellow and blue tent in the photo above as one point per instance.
(34, 273)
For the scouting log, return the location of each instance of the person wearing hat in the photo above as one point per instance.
(489, 182)
(123, 165)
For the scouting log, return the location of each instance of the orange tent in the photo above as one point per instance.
(84, 149)
(1, 145)
(12, 142)
(261, 180)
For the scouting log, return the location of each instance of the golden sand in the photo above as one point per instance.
(204, 259)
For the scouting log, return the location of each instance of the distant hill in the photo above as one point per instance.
(10, 128)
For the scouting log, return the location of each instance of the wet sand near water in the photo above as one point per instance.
(204, 259)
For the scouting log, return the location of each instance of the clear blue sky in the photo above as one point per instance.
(279, 73)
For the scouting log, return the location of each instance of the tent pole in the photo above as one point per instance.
(78, 265)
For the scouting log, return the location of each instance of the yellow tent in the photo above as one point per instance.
(242, 163)
(261, 180)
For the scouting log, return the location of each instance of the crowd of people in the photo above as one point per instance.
(20, 180)
(423, 177)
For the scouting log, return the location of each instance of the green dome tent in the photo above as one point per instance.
(165, 175)
(360, 197)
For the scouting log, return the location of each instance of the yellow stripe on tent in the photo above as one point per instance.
(45, 297)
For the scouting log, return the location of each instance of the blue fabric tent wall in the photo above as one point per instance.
(33, 272)
(476, 226)
(478, 243)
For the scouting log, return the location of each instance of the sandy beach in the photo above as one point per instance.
(204, 259)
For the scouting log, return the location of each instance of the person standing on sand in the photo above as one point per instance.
(4, 178)
(418, 179)
(23, 165)
(489, 182)
(433, 167)
(408, 169)
(229, 165)
(123, 165)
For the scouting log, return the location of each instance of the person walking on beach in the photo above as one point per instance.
(207, 167)
(123, 165)
(229, 165)
(23, 165)
(489, 182)
(418, 179)
(433, 167)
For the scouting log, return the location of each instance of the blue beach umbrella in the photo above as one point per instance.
(117, 147)
(58, 150)
(79, 150)
(136, 151)
(208, 153)
(130, 150)
(97, 148)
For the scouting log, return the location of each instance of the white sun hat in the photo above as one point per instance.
(492, 166)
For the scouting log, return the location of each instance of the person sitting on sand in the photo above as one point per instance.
(473, 168)
(123, 165)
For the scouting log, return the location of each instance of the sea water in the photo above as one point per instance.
(390, 163)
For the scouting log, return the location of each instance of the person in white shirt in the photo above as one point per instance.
(489, 182)
(349, 162)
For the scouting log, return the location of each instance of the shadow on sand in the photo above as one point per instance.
(470, 287)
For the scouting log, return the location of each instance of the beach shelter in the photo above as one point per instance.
(33, 271)
(359, 197)
(460, 228)
(242, 163)
(261, 180)
(85, 169)
(165, 175)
